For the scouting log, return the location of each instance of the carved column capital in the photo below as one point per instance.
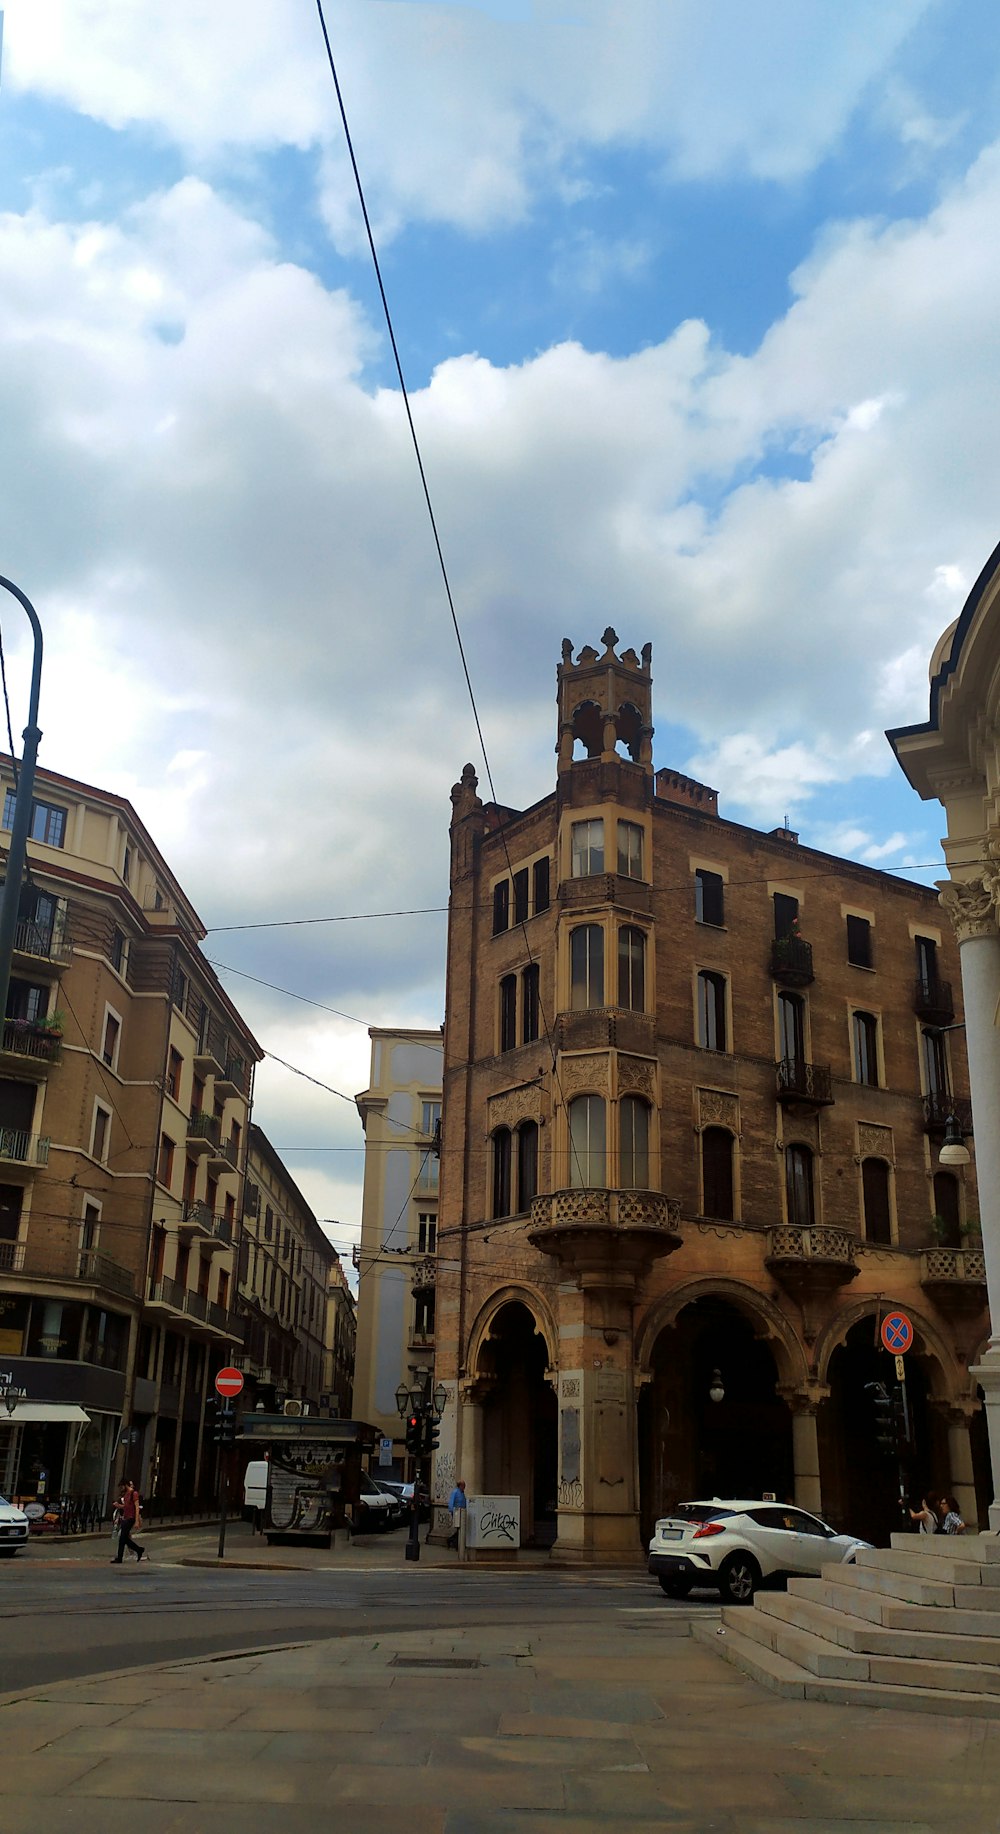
(971, 904)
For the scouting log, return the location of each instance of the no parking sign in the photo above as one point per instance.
(896, 1333)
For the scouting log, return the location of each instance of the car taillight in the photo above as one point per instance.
(709, 1528)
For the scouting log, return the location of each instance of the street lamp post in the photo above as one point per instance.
(10, 903)
(422, 1409)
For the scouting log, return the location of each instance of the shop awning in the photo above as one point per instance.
(28, 1413)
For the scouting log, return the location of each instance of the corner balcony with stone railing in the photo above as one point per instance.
(607, 1237)
(955, 1278)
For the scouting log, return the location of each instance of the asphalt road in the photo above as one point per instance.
(74, 1615)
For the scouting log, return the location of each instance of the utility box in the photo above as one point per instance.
(493, 1522)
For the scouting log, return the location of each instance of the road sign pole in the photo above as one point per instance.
(223, 1501)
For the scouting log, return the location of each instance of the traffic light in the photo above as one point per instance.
(432, 1434)
(890, 1421)
(413, 1434)
(224, 1428)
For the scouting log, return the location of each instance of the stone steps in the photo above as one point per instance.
(915, 1626)
(923, 1637)
(896, 1614)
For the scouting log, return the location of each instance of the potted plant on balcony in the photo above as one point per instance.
(786, 946)
(52, 1025)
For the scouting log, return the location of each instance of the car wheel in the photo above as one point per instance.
(739, 1577)
(674, 1588)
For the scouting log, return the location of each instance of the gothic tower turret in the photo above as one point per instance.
(606, 701)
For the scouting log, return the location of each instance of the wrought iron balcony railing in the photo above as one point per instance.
(799, 1081)
(792, 961)
(24, 1148)
(932, 1000)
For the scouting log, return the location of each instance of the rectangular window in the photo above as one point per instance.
(427, 1181)
(927, 970)
(427, 1232)
(501, 906)
(423, 1314)
(529, 1003)
(630, 850)
(112, 1032)
(786, 916)
(709, 897)
(102, 1132)
(631, 969)
(712, 1011)
(165, 1159)
(47, 822)
(865, 1038)
(190, 1180)
(859, 942)
(540, 885)
(118, 951)
(175, 1063)
(521, 896)
(90, 1226)
(430, 1117)
(268, 1223)
(587, 849)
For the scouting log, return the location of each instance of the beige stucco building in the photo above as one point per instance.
(696, 1078)
(954, 756)
(125, 1082)
(401, 1112)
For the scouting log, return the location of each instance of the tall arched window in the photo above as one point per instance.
(632, 968)
(935, 1063)
(948, 1207)
(586, 957)
(717, 1172)
(792, 1027)
(878, 1211)
(527, 1164)
(529, 1003)
(501, 1172)
(508, 1012)
(633, 1123)
(799, 1193)
(588, 1142)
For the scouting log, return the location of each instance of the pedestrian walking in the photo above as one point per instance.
(456, 1503)
(129, 1512)
(952, 1524)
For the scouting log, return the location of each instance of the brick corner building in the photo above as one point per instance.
(696, 1079)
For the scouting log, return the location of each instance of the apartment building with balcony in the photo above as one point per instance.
(397, 1256)
(340, 1349)
(696, 1082)
(286, 1265)
(125, 1085)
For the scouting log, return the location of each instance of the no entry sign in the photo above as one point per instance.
(897, 1332)
(228, 1383)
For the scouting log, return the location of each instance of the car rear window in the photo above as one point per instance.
(700, 1512)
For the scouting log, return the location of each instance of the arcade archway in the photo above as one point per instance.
(692, 1445)
(519, 1424)
(860, 1479)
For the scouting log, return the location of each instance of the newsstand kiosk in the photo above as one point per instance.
(313, 1472)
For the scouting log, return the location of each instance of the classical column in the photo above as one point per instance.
(973, 914)
(963, 1482)
(805, 1455)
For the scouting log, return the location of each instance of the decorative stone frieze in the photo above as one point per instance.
(576, 1073)
(637, 1076)
(512, 1106)
(717, 1109)
(875, 1142)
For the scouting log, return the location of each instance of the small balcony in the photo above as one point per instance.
(811, 1262)
(211, 1054)
(939, 1106)
(233, 1080)
(792, 961)
(60, 1261)
(804, 1085)
(197, 1224)
(12, 1257)
(28, 1151)
(43, 945)
(99, 1270)
(204, 1132)
(166, 1297)
(30, 1049)
(955, 1278)
(932, 1001)
(224, 1322)
(196, 1306)
(224, 1157)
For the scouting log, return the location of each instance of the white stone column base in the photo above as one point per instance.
(987, 1374)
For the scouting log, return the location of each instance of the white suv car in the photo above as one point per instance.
(13, 1527)
(733, 1544)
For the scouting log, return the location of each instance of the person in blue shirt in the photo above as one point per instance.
(456, 1503)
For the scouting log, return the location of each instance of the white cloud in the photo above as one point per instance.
(459, 115)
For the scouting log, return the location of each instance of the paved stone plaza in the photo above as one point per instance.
(483, 1731)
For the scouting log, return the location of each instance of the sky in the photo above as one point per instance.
(697, 311)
